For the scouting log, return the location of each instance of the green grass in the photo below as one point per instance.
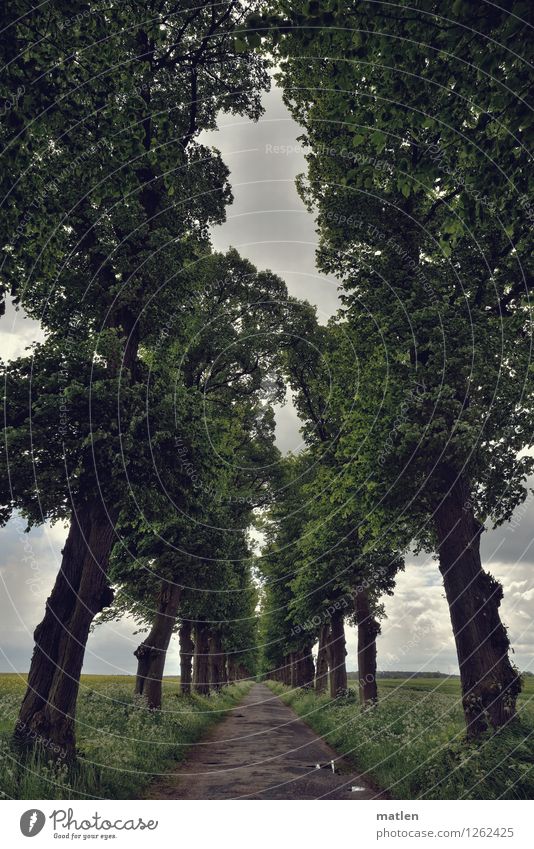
(446, 685)
(122, 745)
(413, 745)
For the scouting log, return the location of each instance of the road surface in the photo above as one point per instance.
(262, 750)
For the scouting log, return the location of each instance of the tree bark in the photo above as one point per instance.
(278, 675)
(309, 667)
(336, 655)
(304, 667)
(186, 658)
(232, 668)
(201, 659)
(321, 675)
(152, 652)
(216, 671)
(81, 590)
(490, 684)
(286, 671)
(368, 630)
(293, 667)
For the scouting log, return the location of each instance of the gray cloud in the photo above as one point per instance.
(268, 222)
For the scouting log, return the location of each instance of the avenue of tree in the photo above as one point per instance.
(145, 419)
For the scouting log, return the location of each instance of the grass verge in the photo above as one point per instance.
(413, 745)
(122, 745)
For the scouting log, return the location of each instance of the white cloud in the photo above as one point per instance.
(18, 332)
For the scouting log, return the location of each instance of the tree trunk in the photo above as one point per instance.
(368, 630)
(152, 652)
(201, 659)
(232, 668)
(47, 713)
(321, 675)
(304, 667)
(216, 673)
(286, 671)
(308, 667)
(186, 658)
(490, 684)
(293, 668)
(336, 655)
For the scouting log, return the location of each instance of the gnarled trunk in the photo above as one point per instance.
(490, 684)
(152, 652)
(336, 655)
(186, 658)
(201, 659)
(368, 630)
(321, 674)
(81, 590)
(216, 664)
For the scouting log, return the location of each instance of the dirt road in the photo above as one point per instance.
(262, 750)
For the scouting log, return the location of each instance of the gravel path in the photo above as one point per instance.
(262, 750)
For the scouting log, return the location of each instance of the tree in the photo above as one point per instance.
(121, 194)
(282, 527)
(435, 265)
(339, 579)
(230, 367)
(340, 564)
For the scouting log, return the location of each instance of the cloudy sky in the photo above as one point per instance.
(268, 224)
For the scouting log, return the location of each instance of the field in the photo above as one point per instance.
(122, 745)
(413, 742)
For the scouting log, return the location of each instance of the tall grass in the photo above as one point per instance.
(412, 744)
(122, 745)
